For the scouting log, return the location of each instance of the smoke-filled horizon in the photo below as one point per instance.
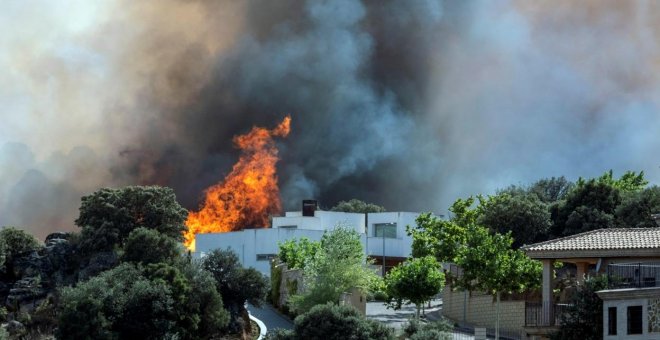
(409, 104)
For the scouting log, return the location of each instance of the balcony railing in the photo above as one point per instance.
(544, 314)
(633, 275)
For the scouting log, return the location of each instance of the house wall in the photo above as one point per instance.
(400, 246)
(622, 318)
(249, 243)
(480, 309)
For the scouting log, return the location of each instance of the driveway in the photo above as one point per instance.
(271, 318)
(398, 318)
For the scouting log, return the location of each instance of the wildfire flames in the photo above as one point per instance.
(249, 194)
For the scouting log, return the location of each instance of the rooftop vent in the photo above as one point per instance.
(309, 207)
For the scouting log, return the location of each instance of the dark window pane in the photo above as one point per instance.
(635, 320)
(388, 228)
(611, 321)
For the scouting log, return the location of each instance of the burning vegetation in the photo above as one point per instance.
(249, 194)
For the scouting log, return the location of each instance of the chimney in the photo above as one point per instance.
(309, 207)
(656, 218)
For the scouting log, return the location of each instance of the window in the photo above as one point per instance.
(611, 321)
(288, 226)
(387, 230)
(265, 257)
(634, 319)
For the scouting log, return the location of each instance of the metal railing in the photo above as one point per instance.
(544, 314)
(633, 275)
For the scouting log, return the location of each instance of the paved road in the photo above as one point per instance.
(270, 317)
(397, 318)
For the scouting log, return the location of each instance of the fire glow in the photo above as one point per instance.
(249, 194)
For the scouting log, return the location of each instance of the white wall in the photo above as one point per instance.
(622, 319)
(248, 243)
(399, 247)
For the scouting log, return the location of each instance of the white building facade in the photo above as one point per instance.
(383, 236)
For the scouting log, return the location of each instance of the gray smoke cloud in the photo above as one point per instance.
(408, 104)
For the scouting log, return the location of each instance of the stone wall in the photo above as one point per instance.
(292, 283)
(354, 297)
(480, 309)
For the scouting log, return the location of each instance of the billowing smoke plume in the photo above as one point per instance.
(408, 104)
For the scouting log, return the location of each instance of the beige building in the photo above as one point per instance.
(631, 259)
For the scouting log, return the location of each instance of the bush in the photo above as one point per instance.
(280, 334)
(338, 322)
(412, 327)
(381, 296)
(431, 334)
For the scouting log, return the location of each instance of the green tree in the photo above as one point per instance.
(583, 320)
(108, 216)
(550, 190)
(489, 264)
(118, 304)
(416, 280)
(636, 209)
(524, 215)
(338, 265)
(296, 252)
(149, 246)
(442, 238)
(357, 206)
(236, 284)
(591, 205)
(17, 241)
(328, 321)
(630, 181)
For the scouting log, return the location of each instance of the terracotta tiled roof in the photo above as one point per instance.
(602, 239)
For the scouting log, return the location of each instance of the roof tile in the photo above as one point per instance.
(603, 239)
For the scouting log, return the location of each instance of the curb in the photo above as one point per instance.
(262, 327)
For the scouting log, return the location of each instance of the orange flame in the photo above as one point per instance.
(249, 194)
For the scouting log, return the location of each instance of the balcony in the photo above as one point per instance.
(633, 275)
(544, 314)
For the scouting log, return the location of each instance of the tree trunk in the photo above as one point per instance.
(418, 307)
(497, 322)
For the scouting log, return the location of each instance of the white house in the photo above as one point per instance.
(383, 235)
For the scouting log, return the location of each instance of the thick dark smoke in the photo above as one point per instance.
(408, 104)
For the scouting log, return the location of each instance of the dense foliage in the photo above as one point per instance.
(339, 264)
(416, 281)
(524, 215)
(108, 216)
(235, 283)
(583, 319)
(357, 206)
(295, 253)
(328, 321)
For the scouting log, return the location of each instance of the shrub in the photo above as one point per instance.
(431, 334)
(338, 322)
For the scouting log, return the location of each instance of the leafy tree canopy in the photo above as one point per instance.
(591, 205)
(525, 216)
(328, 321)
(108, 216)
(338, 265)
(357, 206)
(636, 208)
(149, 246)
(489, 263)
(628, 182)
(416, 280)
(442, 238)
(583, 320)
(17, 241)
(295, 253)
(118, 304)
(550, 190)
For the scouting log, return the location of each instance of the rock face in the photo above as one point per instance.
(32, 275)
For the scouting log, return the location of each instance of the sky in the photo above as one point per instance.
(410, 105)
